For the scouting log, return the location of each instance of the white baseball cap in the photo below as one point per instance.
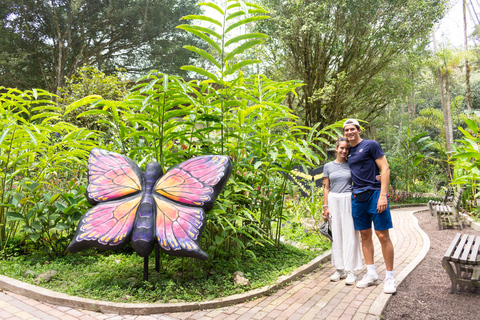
(351, 122)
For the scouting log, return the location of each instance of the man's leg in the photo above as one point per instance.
(367, 246)
(368, 249)
(387, 248)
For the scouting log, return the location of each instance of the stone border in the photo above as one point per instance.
(65, 300)
(472, 223)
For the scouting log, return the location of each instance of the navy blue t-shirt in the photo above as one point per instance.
(361, 160)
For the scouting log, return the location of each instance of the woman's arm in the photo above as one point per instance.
(326, 191)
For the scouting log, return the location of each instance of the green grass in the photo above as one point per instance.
(309, 239)
(117, 276)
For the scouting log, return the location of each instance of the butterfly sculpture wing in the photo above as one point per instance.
(111, 176)
(193, 186)
(181, 197)
(115, 185)
(304, 177)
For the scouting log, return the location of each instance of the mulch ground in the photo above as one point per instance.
(425, 292)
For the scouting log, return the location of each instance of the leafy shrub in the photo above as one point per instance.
(37, 150)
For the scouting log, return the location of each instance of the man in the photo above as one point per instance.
(370, 203)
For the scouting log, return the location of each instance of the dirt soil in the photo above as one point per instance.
(425, 292)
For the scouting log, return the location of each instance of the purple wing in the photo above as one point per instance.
(178, 228)
(107, 225)
(197, 181)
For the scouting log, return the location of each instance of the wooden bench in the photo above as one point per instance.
(448, 216)
(464, 254)
(432, 203)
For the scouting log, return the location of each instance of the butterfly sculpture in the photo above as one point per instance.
(304, 178)
(151, 208)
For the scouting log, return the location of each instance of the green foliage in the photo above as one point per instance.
(405, 169)
(346, 52)
(39, 154)
(89, 81)
(167, 120)
(304, 237)
(466, 157)
(44, 43)
(118, 277)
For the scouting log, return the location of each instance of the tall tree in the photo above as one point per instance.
(443, 76)
(467, 68)
(44, 42)
(340, 48)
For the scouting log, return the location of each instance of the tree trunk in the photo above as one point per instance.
(448, 142)
(467, 68)
(449, 125)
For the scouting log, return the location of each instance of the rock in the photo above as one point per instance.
(29, 274)
(46, 276)
(239, 279)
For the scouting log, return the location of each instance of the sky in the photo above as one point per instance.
(450, 29)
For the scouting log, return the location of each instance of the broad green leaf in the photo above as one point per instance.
(466, 133)
(475, 155)
(418, 159)
(231, 69)
(61, 226)
(204, 54)
(150, 85)
(245, 37)
(245, 21)
(165, 82)
(200, 29)
(4, 134)
(288, 151)
(213, 6)
(14, 216)
(471, 125)
(242, 48)
(202, 18)
(235, 15)
(33, 139)
(84, 101)
(202, 36)
(201, 71)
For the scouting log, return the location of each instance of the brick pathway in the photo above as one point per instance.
(311, 297)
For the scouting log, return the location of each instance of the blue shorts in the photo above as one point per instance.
(364, 212)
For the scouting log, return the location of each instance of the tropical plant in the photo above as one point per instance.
(167, 120)
(39, 154)
(466, 157)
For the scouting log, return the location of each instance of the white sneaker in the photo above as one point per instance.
(339, 274)
(390, 286)
(367, 280)
(351, 278)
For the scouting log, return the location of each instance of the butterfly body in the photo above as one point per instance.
(149, 208)
(143, 234)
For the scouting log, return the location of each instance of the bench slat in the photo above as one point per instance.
(452, 247)
(459, 249)
(475, 249)
(466, 249)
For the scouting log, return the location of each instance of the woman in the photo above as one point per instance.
(346, 252)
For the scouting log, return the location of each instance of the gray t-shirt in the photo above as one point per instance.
(339, 176)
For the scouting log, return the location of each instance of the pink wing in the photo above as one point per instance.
(111, 176)
(178, 228)
(197, 181)
(108, 225)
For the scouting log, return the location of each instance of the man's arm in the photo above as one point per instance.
(382, 164)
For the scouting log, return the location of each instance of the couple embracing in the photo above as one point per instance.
(352, 208)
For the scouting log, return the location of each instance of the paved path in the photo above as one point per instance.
(311, 297)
